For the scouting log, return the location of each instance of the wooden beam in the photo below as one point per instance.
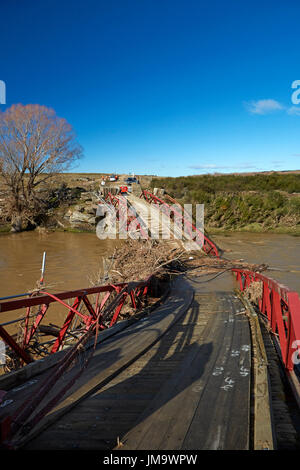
(263, 433)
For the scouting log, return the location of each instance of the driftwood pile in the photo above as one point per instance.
(138, 259)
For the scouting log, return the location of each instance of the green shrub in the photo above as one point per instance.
(240, 202)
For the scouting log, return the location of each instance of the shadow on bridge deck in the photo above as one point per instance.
(189, 390)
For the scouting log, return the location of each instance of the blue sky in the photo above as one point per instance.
(158, 86)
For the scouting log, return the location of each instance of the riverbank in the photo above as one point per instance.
(70, 202)
(255, 228)
(261, 203)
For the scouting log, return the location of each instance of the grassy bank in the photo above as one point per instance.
(253, 203)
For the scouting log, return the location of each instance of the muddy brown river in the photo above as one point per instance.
(280, 252)
(74, 259)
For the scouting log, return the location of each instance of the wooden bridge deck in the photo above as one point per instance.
(179, 379)
(205, 403)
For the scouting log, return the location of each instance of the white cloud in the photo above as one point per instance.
(207, 167)
(269, 106)
(294, 110)
(225, 167)
(266, 106)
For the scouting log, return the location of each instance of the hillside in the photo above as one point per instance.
(250, 202)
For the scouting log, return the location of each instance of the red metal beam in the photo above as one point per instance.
(118, 310)
(38, 320)
(66, 325)
(11, 342)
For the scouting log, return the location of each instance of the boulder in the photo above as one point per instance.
(79, 208)
(79, 217)
(91, 209)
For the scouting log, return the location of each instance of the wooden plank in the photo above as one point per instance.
(174, 406)
(224, 405)
(29, 372)
(190, 410)
(263, 432)
(220, 341)
(238, 429)
(105, 354)
(194, 407)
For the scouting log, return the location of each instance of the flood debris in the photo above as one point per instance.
(139, 259)
(254, 291)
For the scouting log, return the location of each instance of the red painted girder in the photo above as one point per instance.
(11, 342)
(277, 302)
(47, 299)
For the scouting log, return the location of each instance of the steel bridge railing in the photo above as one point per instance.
(281, 308)
(193, 232)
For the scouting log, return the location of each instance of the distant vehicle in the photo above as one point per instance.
(123, 189)
(131, 179)
(113, 178)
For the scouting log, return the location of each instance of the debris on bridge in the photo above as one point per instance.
(254, 291)
(138, 259)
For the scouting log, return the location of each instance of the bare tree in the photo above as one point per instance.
(35, 144)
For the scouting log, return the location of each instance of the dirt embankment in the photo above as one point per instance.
(71, 201)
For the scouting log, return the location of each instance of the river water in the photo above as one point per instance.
(74, 259)
(280, 252)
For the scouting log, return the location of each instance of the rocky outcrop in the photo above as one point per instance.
(83, 214)
(78, 218)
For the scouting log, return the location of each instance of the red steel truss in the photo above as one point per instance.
(126, 215)
(103, 313)
(281, 307)
(194, 233)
